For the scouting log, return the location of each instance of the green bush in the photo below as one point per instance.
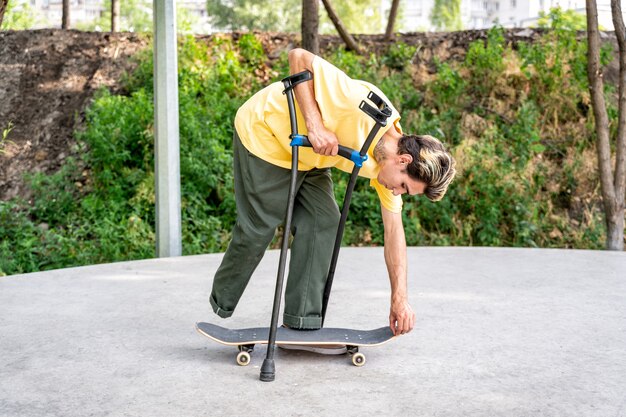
(485, 62)
(107, 214)
(399, 55)
(515, 119)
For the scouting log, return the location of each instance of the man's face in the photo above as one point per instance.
(394, 176)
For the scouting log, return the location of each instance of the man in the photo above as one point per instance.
(328, 113)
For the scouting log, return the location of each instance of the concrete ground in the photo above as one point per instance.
(500, 332)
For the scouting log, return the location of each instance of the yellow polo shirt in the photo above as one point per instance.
(263, 125)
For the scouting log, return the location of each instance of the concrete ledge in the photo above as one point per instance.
(500, 332)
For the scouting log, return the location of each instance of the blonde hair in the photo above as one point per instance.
(431, 164)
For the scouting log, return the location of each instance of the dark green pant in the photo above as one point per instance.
(261, 193)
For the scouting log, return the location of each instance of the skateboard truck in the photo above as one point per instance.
(380, 114)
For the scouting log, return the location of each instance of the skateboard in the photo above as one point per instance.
(245, 339)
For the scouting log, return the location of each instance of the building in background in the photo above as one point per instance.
(415, 15)
(49, 12)
(197, 12)
(482, 14)
(85, 12)
(519, 13)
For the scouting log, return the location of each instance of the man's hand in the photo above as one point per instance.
(401, 318)
(323, 140)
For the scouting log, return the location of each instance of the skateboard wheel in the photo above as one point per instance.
(358, 359)
(243, 358)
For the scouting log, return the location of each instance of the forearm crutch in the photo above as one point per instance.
(380, 114)
(268, 370)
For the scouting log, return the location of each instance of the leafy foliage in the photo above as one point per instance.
(3, 137)
(136, 16)
(560, 19)
(256, 14)
(359, 16)
(446, 15)
(510, 190)
(100, 208)
(398, 56)
(516, 121)
(19, 16)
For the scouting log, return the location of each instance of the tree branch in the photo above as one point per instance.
(3, 7)
(347, 38)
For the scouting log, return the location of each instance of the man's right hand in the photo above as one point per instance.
(401, 318)
(323, 140)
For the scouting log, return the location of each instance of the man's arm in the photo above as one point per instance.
(323, 140)
(401, 316)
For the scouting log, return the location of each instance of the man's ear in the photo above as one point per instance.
(405, 158)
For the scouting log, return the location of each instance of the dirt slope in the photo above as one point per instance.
(46, 80)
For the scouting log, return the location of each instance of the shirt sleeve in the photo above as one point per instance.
(391, 202)
(334, 90)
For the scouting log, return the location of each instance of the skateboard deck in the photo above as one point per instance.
(245, 339)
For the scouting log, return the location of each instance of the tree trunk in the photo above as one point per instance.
(347, 38)
(615, 230)
(310, 25)
(612, 186)
(3, 7)
(65, 22)
(392, 19)
(620, 146)
(115, 15)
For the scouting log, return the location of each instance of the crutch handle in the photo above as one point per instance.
(348, 153)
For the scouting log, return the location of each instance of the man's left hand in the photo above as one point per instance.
(401, 318)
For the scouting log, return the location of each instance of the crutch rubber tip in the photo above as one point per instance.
(268, 370)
